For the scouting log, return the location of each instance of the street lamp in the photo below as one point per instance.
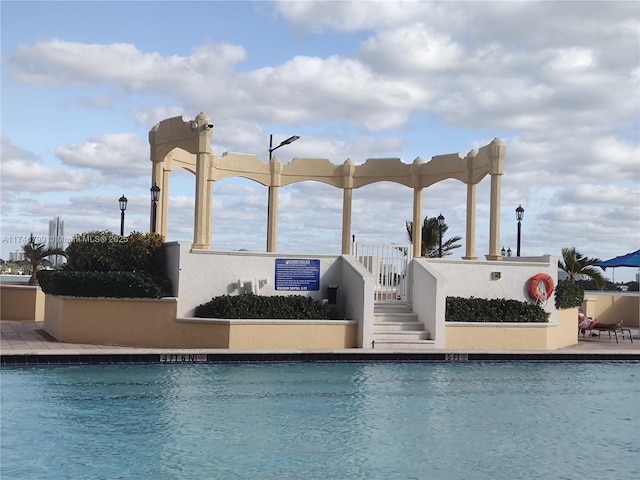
(123, 206)
(519, 216)
(283, 143)
(509, 252)
(289, 140)
(155, 195)
(440, 225)
(503, 252)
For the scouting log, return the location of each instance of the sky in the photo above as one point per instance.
(83, 82)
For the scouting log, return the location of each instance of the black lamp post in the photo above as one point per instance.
(509, 252)
(440, 225)
(123, 206)
(289, 140)
(283, 143)
(519, 216)
(503, 252)
(155, 195)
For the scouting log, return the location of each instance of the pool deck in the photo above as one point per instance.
(26, 342)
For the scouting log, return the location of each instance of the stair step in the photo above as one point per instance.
(407, 345)
(387, 326)
(395, 317)
(402, 335)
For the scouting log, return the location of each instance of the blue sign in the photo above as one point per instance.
(297, 274)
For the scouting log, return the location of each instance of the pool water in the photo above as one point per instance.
(322, 421)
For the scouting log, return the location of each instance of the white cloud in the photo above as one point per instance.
(122, 154)
(21, 171)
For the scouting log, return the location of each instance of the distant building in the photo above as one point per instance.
(16, 256)
(56, 239)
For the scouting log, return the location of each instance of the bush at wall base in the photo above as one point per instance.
(252, 306)
(103, 284)
(501, 310)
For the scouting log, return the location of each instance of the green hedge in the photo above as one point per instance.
(258, 306)
(103, 284)
(105, 251)
(568, 295)
(472, 309)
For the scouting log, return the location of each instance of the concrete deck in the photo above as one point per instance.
(28, 339)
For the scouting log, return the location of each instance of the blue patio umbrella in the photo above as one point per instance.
(629, 260)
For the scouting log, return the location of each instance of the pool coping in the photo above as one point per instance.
(339, 356)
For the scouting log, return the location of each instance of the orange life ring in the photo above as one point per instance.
(535, 286)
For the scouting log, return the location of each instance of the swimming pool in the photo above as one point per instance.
(322, 421)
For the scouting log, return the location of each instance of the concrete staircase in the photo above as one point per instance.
(396, 327)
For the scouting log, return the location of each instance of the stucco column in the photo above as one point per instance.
(417, 222)
(416, 234)
(496, 153)
(201, 236)
(347, 197)
(470, 253)
(348, 169)
(275, 166)
(163, 205)
(272, 218)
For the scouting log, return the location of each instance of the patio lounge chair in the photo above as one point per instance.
(611, 327)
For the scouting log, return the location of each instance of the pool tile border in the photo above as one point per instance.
(174, 358)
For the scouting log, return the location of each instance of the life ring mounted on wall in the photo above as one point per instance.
(541, 287)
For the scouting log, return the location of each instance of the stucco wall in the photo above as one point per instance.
(203, 274)
(116, 321)
(514, 336)
(293, 335)
(152, 323)
(609, 307)
(21, 302)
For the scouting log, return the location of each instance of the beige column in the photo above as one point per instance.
(275, 166)
(272, 218)
(417, 222)
(496, 152)
(163, 205)
(347, 198)
(416, 234)
(470, 253)
(494, 219)
(348, 170)
(201, 237)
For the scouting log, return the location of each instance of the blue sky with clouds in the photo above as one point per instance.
(558, 82)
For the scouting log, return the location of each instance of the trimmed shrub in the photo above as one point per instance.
(103, 284)
(257, 306)
(472, 309)
(568, 295)
(104, 251)
(103, 264)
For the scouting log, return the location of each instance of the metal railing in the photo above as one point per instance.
(389, 264)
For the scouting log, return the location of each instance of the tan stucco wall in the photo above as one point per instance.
(566, 333)
(152, 323)
(21, 302)
(307, 335)
(515, 336)
(608, 308)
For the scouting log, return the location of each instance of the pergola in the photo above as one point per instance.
(181, 143)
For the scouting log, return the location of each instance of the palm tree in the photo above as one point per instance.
(34, 254)
(577, 265)
(431, 238)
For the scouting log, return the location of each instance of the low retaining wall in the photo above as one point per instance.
(21, 302)
(152, 323)
(514, 336)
